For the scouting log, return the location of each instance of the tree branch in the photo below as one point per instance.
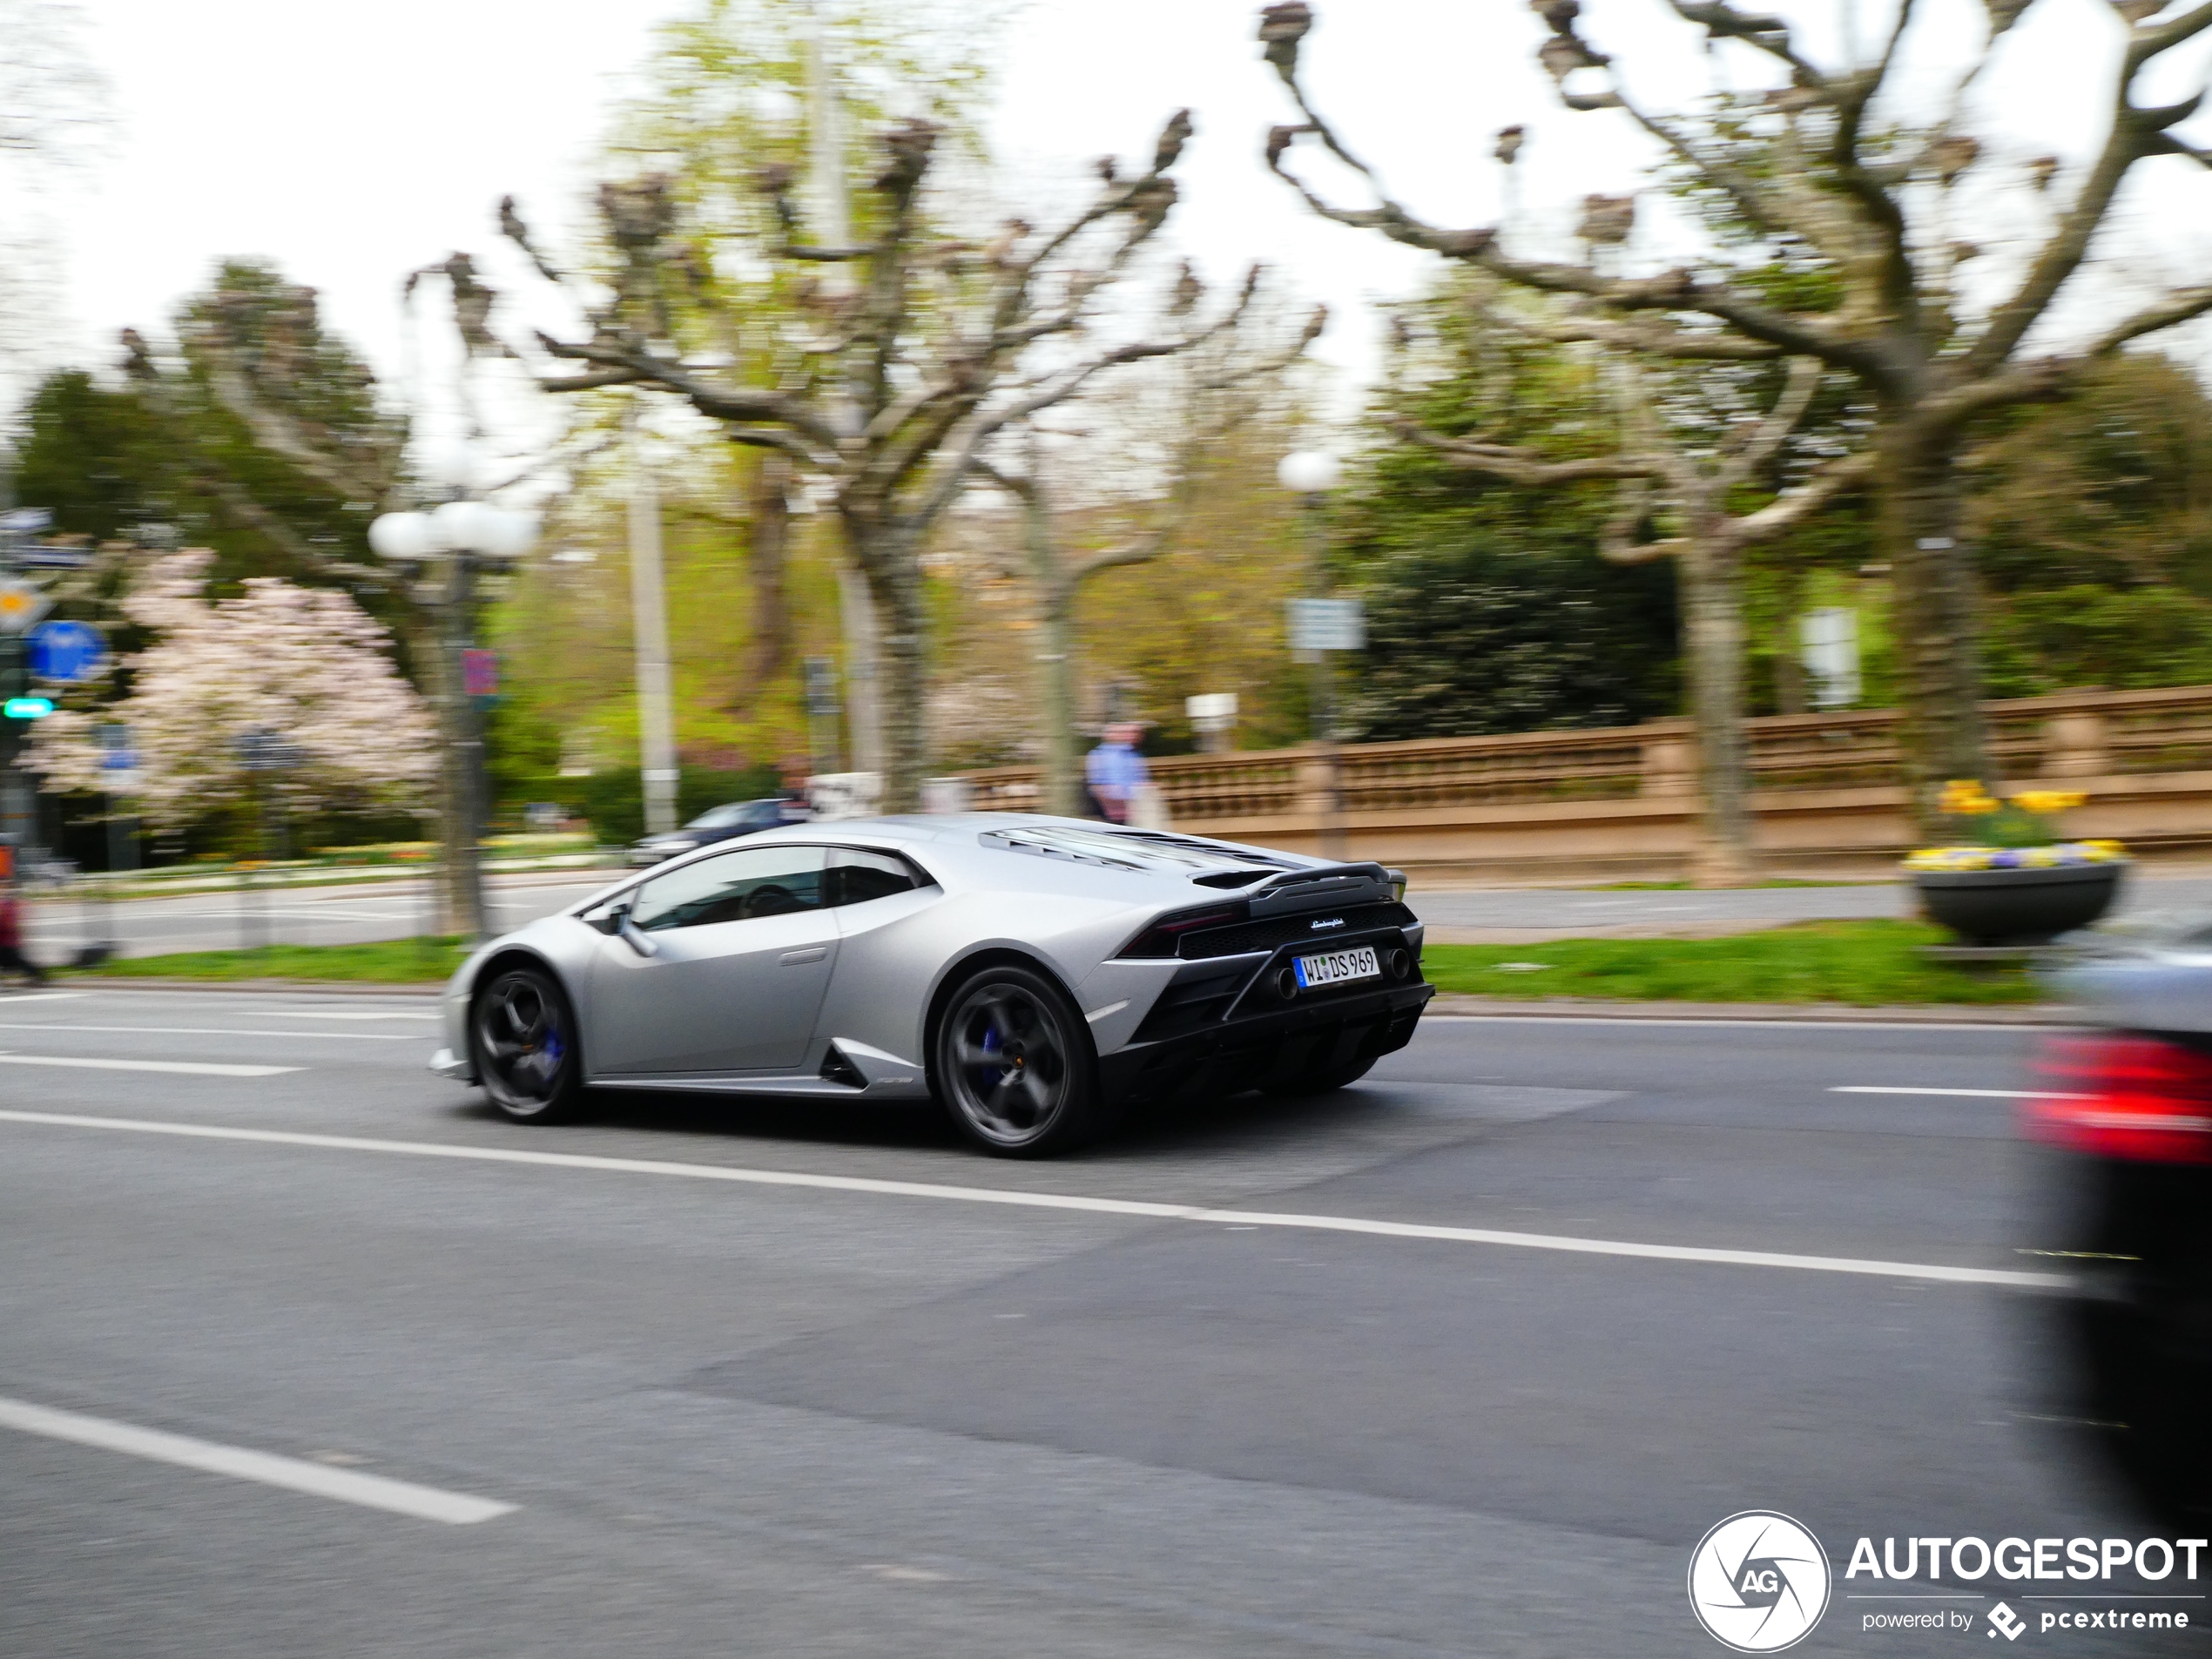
(1827, 482)
(1520, 465)
(1781, 421)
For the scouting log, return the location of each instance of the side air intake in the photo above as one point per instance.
(836, 1068)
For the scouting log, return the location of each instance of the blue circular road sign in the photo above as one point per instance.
(66, 652)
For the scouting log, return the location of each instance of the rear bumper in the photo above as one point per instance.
(1278, 1047)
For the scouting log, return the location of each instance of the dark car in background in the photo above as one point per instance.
(2125, 1109)
(721, 824)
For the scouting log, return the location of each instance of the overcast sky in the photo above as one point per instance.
(351, 142)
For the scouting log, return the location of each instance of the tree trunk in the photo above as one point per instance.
(767, 541)
(1064, 791)
(1713, 645)
(1941, 734)
(1055, 659)
(887, 560)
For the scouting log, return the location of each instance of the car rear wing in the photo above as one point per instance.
(1325, 888)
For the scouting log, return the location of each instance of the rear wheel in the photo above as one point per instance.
(1015, 1065)
(524, 1034)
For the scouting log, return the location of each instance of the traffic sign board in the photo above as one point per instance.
(67, 652)
(1327, 625)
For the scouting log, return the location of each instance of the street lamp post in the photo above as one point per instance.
(471, 536)
(1311, 475)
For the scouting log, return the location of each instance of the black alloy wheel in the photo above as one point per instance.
(524, 1037)
(1015, 1065)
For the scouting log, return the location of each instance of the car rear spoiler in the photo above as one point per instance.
(1326, 889)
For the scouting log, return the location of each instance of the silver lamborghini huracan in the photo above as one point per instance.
(1033, 974)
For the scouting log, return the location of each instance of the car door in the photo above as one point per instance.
(737, 953)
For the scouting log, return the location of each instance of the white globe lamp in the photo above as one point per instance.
(460, 526)
(401, 536)
(1309, 472)
(506, 535)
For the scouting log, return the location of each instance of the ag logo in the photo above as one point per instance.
(1758, 1582)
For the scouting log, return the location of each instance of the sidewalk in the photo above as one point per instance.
(1534, 915)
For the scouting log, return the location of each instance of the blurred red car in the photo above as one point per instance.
(2126, 1108)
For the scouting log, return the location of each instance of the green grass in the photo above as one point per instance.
(1860, 963)
(1692, 886)
(397, 961)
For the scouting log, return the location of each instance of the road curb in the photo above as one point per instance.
(1568, 1008)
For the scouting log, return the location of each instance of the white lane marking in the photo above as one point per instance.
(214, 1031)
(180, 1067)
(296, 1474)
(1061, 1201)
(296, 1014)
(1784, 1025)
(15, 999)
(1962, 1094)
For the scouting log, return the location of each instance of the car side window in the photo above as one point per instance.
(739, 885)
(856, 876)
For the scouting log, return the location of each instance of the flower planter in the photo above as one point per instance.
(2027, 905)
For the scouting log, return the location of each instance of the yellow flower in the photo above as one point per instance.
(1948, 858)
(2048, 801)
(1963, 797)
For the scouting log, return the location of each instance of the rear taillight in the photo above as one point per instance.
(2126, 1097)
(1164, 935)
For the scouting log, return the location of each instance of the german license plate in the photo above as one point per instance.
(1337, 968)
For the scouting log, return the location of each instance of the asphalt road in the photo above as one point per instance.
(998, 1414)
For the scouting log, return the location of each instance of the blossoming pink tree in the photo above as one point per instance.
(306, 664)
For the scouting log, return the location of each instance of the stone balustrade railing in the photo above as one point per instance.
(1825, 786)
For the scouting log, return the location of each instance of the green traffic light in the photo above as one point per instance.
(27, 708)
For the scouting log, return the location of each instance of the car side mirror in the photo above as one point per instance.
(632, 935)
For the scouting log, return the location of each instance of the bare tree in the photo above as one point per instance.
(53, 110)
(255, 353)
(1868, 204)
(891, 394)
(1693, 442)
(1210, 390)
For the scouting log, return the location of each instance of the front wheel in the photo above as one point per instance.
(524, 1034)
(1015, 1065)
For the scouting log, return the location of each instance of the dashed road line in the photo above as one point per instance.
(1960, 1093)
(294, 1475)
(179, 1067)
(213, 1031)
